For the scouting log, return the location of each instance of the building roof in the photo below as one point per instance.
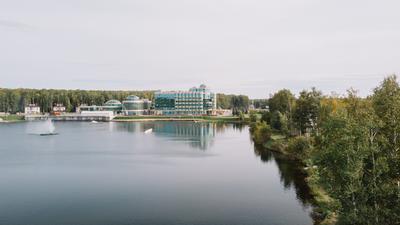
(201, 88)
(113, 102)
(132, 98)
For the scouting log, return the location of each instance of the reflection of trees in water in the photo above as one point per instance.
(385, 211)
(221, 127)
(239, 126)
(290, 173)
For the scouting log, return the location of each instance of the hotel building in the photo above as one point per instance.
(196, 101)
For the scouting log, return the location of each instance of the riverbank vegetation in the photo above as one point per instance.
(349, 146)
(11, 118)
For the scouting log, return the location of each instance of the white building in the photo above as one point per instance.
(223, 112)
(59, 108)
(32, 109)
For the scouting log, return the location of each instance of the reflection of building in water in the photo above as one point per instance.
(199, 135)
(131, 127)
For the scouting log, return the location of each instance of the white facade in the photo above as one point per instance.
(32, 109)
(98, 113)
(223, 112)
(59, 108)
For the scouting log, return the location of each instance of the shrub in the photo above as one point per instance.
(253, 117)
(279, 122)
(299, 146)
(261, 132)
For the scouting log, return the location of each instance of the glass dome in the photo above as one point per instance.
(113, 103)
(132, 98)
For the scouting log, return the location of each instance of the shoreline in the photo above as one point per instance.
(216, 119)
(323, 202)
(11, 119)
(144, 119)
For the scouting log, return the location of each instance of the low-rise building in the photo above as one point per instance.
(32, 109)
(223, 112)
(196, 101)
(59, 108)
(114, 106)
(132, 105)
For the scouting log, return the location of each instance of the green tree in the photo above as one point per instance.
(386, 104)
(240, 104)
(279, 122)
(283, 101)
(354, 164)
(307, 109)
(261, 132)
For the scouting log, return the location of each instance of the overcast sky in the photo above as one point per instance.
(252, 47)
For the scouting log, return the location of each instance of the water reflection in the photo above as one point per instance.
(114, 173)
(197, 135)
(291, 175)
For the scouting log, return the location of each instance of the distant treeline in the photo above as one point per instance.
(14, 100)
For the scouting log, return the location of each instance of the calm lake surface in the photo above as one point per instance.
(182, 173)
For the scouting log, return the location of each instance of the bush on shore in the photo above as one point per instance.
(261, 132)
(299, 147)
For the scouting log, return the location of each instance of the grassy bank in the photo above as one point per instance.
(225, 119)
(11, 118)
(298, 148)
(324, 212)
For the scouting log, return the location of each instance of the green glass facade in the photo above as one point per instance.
(196, 101)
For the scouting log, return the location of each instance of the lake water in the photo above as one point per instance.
(182, 173)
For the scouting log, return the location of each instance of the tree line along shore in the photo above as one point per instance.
(349, 147)
(13, 101)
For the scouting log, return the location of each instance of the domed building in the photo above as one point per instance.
(113, 102)
(112, 105)
(134, 106)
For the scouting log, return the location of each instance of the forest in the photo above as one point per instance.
(14, 100)
(349, 146)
